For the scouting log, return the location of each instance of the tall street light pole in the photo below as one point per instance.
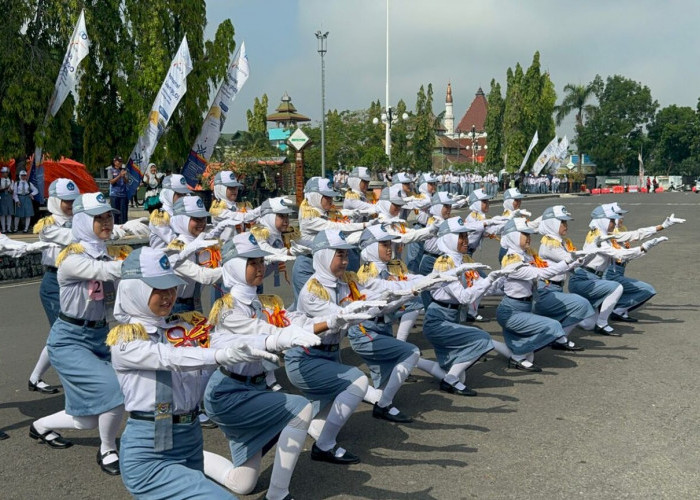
(321, 37)
(387, 137)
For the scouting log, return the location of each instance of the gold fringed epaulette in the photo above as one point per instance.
(549, 241)
(271, 301)
(477, 216)
(261, 233)
(73, 248)
(466, 259)
(306, 211)
(511, 258)
(316, 288)
(569, 245)
(43, 222)
(369, 197)
(397, 267)
(217, 206)
(349, 277)
(592, 235)
(126, 333)
(291, 234)
(176, 244)
(191, 317)
(367, 271)
(244, 206)
(225, 302)
(506, 213)
(119, 252)
(420, 196)
(352, 195)
(443, 263)
(159, 218)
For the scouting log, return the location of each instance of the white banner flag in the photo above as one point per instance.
(559, 155)
(533, 143)
(203, 146)
(641, 169)
(173, 88)
(547, 154)
(78, 48)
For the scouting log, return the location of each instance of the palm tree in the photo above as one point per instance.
(575, 99)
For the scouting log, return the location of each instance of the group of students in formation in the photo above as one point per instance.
(166, 364)
(16, 201)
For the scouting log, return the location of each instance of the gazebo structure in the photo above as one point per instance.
(286, 115)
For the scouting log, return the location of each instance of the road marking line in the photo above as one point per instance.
(20, 284)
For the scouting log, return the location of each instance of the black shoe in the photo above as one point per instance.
(476, 319)
(58, 442)
(329, 456)
(567, 346)
(111, 469)
(208, 424)
(602, 331)
(447, 387)
(383, 413)
(49, 389)
(4, 435)
(518, 365)
(410, 380)
(625, 319)
(288, 497)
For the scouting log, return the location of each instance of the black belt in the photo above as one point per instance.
(558, 283)
(187, 302)
(447, 304)
(83, 322)
(247, 379)
(50, 269)
(591, 270)
(521, 299)
(326, 347)
(185, 418)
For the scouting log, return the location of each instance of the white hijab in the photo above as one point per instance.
(354, 183)
(166, 199)
(181, 225)
(269, 221)
(447, 244)
(314, 199)
(600, 224)
(131, 305)
(322, 267)
(508, 204)
(511, 242)
(371, 254)
(423, 189)
(84, 233)
(476, 207)
(436, 210)
(550, 227)
(54, 206)
(234, 279)
(220, 194)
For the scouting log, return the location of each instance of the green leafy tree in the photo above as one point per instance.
(576, 100)
(400, 151)
(672, 135)
(515, 141)
(257, 117)
(494, 126)
(423, 134)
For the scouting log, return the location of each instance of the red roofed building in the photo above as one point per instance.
(466, 144)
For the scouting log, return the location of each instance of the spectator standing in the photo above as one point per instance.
(118, 183)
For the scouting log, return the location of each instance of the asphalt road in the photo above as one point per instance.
(619, 420)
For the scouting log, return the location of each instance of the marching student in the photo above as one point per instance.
(7, 203)
(23, 192)
(360, 204)
(226, 187)
(174, 188)
(162, 368)
(481, 225)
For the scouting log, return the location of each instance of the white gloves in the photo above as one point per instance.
(462, 268)
(291, 336)
(431, 281)
(582, 260)
(299, 249)
(392, 295)
(219, 228)
(535, 224)
(600, 239)
(434, 228)
(137, 227)
(521, 213)
(242, 353)
(459, 197)
(276, 257)
(118, 232)
(409, 199)
(193, 246)
(362, 305)
(500, 273)
(671, 220)
(647, 245)
(344, 320)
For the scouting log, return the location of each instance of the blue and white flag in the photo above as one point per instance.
(173, 88)
(533, 143)
(549, 153)
(203, 146)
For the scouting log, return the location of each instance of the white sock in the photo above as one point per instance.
(16, 224)
(607, 306)
(372, 395)
(42, 366)
(588, 323)
(396, 379)
(109, 423)
(271, 381)
(407, 322)
(241, 480)
(568, 329)
(502, 348)
(61, 420)
(456, 370)
(289, 446)
(562, 340)
(316, 425)
(341, 409)
(431, 367)
(26, 223)
(621, 311)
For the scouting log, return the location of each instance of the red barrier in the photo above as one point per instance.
(605, 191)
(618, 189)
(633, 189)
(643, 190)
(595, 191)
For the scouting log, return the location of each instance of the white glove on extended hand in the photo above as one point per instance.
(194, 246)
(600, 239)
(577, 254)
(647, 245)
(299, 249)
(276, 257)
(535, 224)
(38, 246)
(118, 232)
(463, 268)
(434, 228)
(498, 219)
(138, 227)
(242, 353)
(343, 320)
(432, 281)
(521, 213)
(671, 220)
(219, 228)
(409, 199)
(583, 260)
(392, 295)
(372, 222)
(291, 336)
(500, 273)
(362, 305)
(459, 197)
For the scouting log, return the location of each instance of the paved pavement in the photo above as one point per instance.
(619, 420)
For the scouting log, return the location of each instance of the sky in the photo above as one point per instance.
(464, 42)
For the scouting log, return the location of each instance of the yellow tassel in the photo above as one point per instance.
(350, 276)
(477, 216)
(369, 196)
(42, 223)
(367, 272)
(466, 259)
(592, 235)
(352, 195)
(70, 249)
(549, 241)
(270, 301)
(191, 317)
(119, 252)
(126, 333)
(225, 302)
(306, 211)
(316, 288)
(397, 268)
(443, 263)
(569, 245)
(292, 234)
(506, 213)
(176, 245)
(511, 258)
(260, 233)
(160, 218)
(244, 206)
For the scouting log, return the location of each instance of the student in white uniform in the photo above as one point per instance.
(23, 194)
(174, 188)
(162, 371)
(479, 224)
(76, 344)
(7, 203)
(226, 187)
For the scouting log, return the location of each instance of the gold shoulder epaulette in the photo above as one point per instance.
(176, 244)
(592, 235)
(261, 233)
(159, 218)
(351, 195)
(126, 333)
(119, 252)
(316, 288)
(511, 258)
(397, 267)
(191, 317)
(350, 276)
(70, 249)
(225, 302)
(431, 221)
(419, 196)
(466, 259)
(42, 223)
(369, 196)
(217, 206)
(306, 211)
(506, 213)
(367, 271)
(549, 241)
(270, 301)
(477, 216)
(443, 263)
(244, 206)
(569, 245)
